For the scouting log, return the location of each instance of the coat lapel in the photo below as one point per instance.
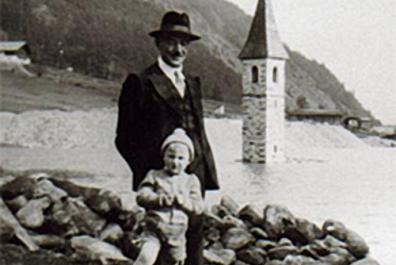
(166, 89)
(192, 86)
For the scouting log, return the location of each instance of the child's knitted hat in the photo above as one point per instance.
(179, 136)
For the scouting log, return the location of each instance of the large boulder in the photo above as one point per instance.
(75, 217)
(252, 255)
(49, 241)
(231, 205)
(258, 233)
(277, 220)
(280, 252)
(112, 233)
(96, 249)
(219, 256)
(17, 203)
(299, 260)
(249, 215)
(44, 187)
(304, 232)
(355, 243)
(236, 238)
(32, 214)
(335, 259)
(265, 244)
(19, 186)
(229, 221)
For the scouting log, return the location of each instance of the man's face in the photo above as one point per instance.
(176, 158)
(173, 50)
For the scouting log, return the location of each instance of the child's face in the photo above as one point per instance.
(176, 158)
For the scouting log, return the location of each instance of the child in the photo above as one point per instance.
(170, 196)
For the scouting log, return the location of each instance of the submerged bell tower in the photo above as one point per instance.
(263, 94)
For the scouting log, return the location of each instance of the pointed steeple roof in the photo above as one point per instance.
(263, 40)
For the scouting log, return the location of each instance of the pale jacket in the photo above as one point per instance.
(159, 182)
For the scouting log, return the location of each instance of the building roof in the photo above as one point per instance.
(10, 46)
(263, 40)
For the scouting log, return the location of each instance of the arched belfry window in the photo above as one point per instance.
(275, 75)
(255, 74)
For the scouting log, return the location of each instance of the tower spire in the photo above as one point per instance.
(263, 40)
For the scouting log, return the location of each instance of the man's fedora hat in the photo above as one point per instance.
(175, 24)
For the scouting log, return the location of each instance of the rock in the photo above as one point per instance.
(251, 256)
(31, 215)
(112, 233)
(128, 219)
(229, 221)
(265, 244)
(8, 221)
(212, 234)
(220, 256)
(74, 190)
(6, 231)
(274, 262)
(96, 249)
(314, 251)
(366, 261)
(212, 220)
(250, 215)
(304, 232)
(299, 260)
(355, 243)
(240, 262)
(212, 258)
(235, 238)
(44, 187)
(343, 252)
(258, 233)
(280, 252)
(17, 203)
(220, 211)
(230, 205)
(84, 219)
(49, 241)
(335, 259)
(19, 186)
(285, 242)
(130, 244)
(6, 179)
(106, 203)
(332, 242)
(277, 220)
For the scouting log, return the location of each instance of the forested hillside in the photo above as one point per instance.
(108, 39)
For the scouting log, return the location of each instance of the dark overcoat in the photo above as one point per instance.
(149, 110)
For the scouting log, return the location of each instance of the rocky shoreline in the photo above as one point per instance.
(51, 220)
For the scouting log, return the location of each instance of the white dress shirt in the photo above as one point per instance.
(175, 74)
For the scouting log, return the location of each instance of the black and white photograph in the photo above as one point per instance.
(197, 132)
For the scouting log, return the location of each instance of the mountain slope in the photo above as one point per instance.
(109, 39)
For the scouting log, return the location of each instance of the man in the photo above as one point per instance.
(154, 103)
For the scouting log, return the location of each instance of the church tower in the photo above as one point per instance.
(263, 102)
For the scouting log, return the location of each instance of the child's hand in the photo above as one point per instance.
(166, 200)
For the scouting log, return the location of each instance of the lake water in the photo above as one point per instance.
(354, 185)
(329, 173)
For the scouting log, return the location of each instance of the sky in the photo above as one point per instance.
(353, 38)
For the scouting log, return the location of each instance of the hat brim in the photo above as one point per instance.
(179, 34)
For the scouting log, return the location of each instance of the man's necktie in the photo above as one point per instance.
(179, 83)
